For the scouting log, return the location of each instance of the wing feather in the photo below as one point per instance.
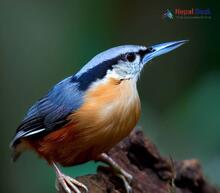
(50, 112)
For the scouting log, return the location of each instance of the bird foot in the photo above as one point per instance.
(66, 184)
(126, 182)
(118, 171)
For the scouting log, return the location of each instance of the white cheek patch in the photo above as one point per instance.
(125, 69)
(122, 70)
(113, 74)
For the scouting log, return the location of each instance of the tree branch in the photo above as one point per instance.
(152, 173)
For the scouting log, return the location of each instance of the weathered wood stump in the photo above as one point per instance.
(152, 172)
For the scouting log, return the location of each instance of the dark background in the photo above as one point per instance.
(41, 42)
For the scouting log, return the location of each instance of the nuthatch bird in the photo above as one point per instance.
(86, 114)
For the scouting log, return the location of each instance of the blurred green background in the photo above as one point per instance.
(41, 42)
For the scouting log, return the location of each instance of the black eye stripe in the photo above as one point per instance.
(97, 72)
(142, 53)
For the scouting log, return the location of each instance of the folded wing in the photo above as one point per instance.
(50, 113)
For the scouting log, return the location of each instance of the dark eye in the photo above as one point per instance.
(130, 57)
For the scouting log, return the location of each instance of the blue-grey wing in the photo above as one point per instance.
(50, 112)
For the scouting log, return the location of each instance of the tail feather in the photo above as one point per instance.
(15, 155)
(17, 150)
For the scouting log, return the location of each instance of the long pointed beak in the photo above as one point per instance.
(160, 49)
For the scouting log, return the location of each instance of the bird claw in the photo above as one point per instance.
(127, 183)
(126, 175)
(118, 171)
(66, 184)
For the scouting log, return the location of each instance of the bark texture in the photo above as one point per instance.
(152, 172)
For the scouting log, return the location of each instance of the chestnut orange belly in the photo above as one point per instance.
(109, 113)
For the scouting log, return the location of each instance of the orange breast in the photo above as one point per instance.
(110, 111)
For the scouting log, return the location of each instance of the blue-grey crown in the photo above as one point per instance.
(98, 66)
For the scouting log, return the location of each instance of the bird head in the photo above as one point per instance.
(122, 62)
